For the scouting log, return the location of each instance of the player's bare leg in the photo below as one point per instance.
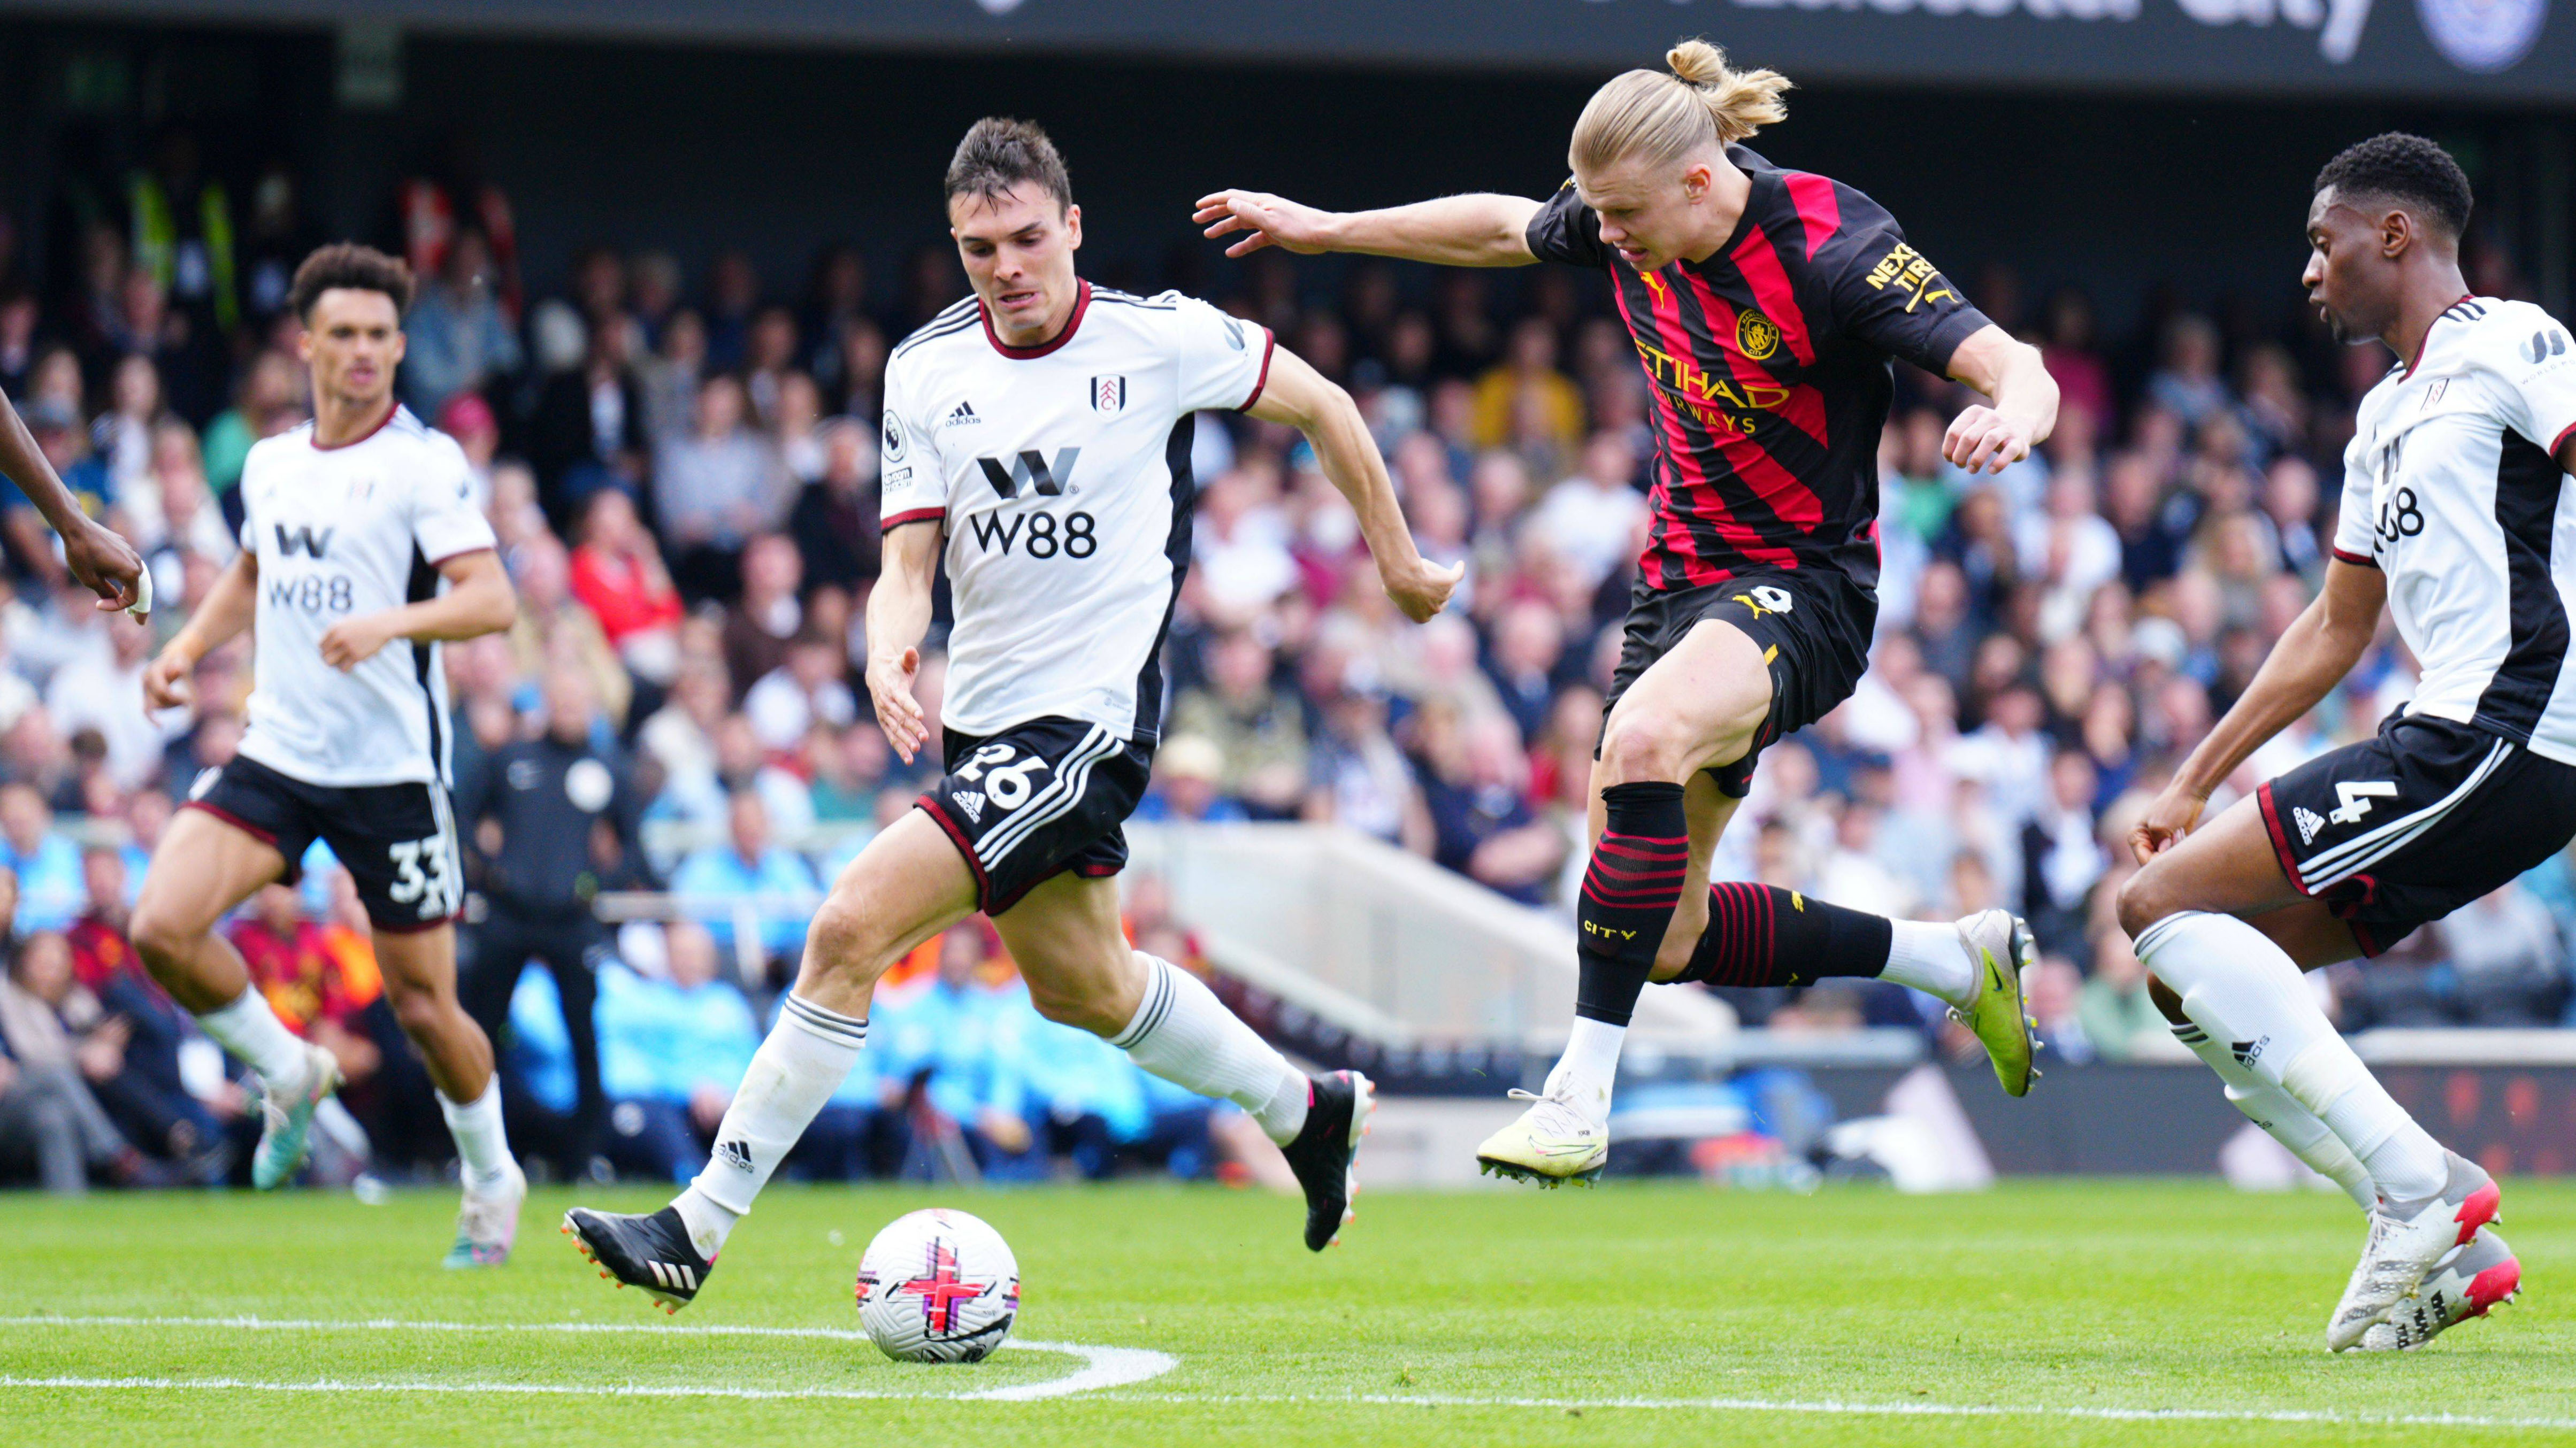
(1065, 936)
(420, 984)
(204, 867)
(905, 887)
(2185, 909)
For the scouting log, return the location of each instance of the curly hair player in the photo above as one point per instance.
(2455, 491)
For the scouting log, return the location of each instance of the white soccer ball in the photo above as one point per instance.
(938, 1286)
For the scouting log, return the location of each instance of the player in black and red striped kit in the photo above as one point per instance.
(1765, 305)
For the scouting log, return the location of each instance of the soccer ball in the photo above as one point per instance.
(938, 1286)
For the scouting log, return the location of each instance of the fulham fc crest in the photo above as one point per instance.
(1108, 394)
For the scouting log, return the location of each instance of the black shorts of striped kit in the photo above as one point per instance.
(1036, 800)
(2409, 825)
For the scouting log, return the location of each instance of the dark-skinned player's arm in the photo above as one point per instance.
(898, 617)
(1479, 230)
(105, 564)
(478, 600)
(2023, 397)
(226, 610)
(1306, 400)
(2315, 652)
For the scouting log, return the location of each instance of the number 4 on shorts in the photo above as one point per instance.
(2356, 798)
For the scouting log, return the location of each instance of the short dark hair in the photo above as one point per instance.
(1000, 153)
(358, 268)
(2400, 167)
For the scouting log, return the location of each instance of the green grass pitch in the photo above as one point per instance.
(2055, 1314)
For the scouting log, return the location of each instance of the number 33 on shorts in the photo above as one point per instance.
(420, 873)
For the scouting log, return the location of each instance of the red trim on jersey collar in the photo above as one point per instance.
(320, 446)
(2426, 340)
(1081, 304)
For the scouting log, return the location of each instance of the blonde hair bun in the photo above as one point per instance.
(1665, 115)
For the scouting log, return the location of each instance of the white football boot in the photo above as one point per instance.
(286, 1134)
(486, 1227)
(1551, 1144)
(2406, 1240)
(2479, 1276)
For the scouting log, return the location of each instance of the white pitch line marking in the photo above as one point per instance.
(1114, 1367)
(1102, 1367)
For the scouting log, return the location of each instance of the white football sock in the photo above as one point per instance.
(1589, 1068)
(2283, 1119)
(482, 1147)
(807, 1056)
(1929, 956)
(1184, 1034)
(252, 1032)
(2248, 995)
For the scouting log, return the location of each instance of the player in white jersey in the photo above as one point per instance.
(2458, 516)
(1040, 431)
(361, 550)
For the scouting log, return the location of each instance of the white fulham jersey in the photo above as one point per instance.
(2452, 487)
(340, 532)
(1062, 476)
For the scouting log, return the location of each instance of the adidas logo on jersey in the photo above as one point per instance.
(2309, 822)
(964, 414)
(971, 801)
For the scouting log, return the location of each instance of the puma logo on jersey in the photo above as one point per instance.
(971, 801)
(964, 414)
(303, 540)
(2309, 822)
(1029, 469)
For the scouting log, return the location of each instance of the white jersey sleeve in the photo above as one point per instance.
(912, 486)
(444, 521)
(2352, 534)
(1223, 361)
(2536, 375)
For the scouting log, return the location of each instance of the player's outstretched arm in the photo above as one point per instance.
(2314, 654)
(1306, 400)
(898, 616)
(478, 600)
(2016, 381)
(1480, 230)
(224, 613)
(105, 564)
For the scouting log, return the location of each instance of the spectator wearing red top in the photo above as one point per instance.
(617, 574)
(100, 951)
(317, 992)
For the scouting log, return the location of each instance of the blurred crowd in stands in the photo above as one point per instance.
(680, 464)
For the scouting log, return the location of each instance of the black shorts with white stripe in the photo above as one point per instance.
(1036, 800)
(2406, 827)
(397, 841)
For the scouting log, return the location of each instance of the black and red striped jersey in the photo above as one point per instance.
(1770, 370)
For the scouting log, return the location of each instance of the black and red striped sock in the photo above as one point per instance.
(1628, 896)
(1764, 935)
